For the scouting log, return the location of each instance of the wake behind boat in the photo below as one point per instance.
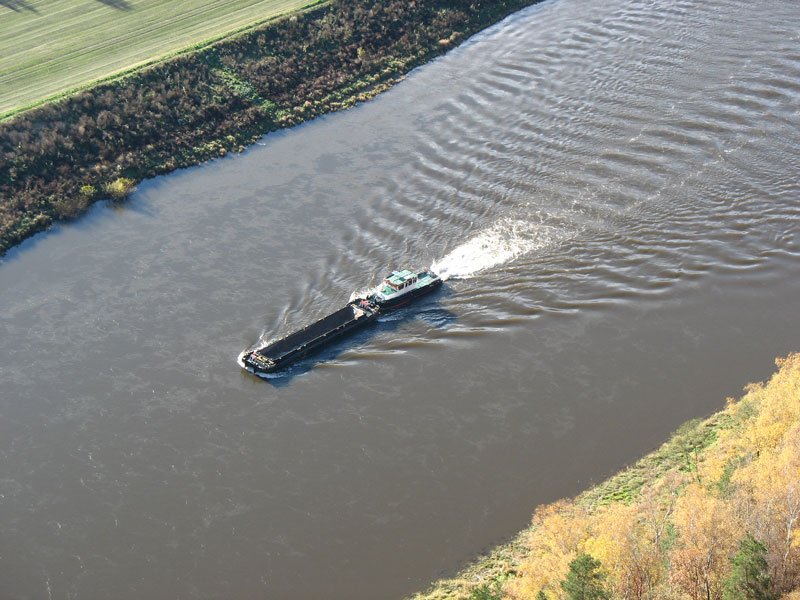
(398, 289)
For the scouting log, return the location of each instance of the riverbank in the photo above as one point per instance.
(674, 524)
(59, 158)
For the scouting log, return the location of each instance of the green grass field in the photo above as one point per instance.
(50, 46)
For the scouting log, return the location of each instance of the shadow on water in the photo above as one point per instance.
(429, 309)
(118, 4)
(19, 5)
(84, 222)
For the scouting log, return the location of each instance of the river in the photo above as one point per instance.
(611, 188)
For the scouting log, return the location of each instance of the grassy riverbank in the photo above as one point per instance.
(682, 523)
(56, 159)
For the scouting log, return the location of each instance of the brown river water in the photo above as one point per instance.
(611, 188)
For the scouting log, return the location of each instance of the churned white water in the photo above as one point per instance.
(501, 243)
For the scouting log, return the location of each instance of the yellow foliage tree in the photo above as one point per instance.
(622, 542)
(556, 537)
(708, 533)
(768, 498)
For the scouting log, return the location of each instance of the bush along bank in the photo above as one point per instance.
(55, 160)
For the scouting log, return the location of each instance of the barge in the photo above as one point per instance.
(295, 346)
(397, 289)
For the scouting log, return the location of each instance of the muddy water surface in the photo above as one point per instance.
(611, 188)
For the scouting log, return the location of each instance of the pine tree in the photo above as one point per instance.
(749, 579)
(487, 591)
(585, 580)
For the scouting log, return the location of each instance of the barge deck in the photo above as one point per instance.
(295, 346)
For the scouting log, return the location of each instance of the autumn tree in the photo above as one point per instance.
(624, 540)
(557, 533)
(768, 497)
(707, 530)
(766, 486)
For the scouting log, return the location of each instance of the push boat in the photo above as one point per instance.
(398, 289)
(401, 287)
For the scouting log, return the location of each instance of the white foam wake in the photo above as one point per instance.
(504, 241)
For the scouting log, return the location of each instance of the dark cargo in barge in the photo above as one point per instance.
(295, 346)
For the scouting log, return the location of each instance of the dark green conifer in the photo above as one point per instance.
(488, 591)
(585, 580)
(749, 578)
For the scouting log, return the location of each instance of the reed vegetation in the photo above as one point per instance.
(205, 103)
(714, 514)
